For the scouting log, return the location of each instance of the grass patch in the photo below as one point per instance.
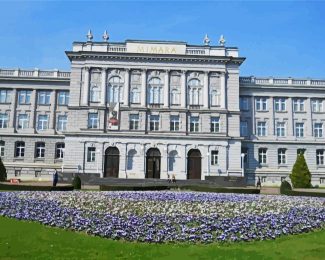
(26, 240)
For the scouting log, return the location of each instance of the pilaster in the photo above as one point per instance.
(143, 87)
(166, 89)
(12, 117)
(183, 89)
(126, 87)
(223, 92)
(206, 90)
(103, 87)
(86, 87)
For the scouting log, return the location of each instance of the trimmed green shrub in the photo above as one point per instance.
(285, 186)
(3, 172)
(76, 183)
(304, 193)
(34, 188)
(300, 175)
(185, 187)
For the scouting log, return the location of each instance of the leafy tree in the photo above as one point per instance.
(300, 175)
(3, 172)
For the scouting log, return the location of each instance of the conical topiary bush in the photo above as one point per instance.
(3, 172)
(300, 175)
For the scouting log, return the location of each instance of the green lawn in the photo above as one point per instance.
(25, 240)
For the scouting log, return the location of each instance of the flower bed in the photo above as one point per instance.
(165, 216)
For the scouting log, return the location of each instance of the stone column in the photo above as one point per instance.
(183, 89)
(206, 90)
(126, 87)
(103, 87)
(223, 92)
(166, 89)
(86, 87)
(12, 116)
(144, 87)
(52, 112)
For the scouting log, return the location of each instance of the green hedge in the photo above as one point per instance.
(221, 189)
(303, 193)
(286, 189)
(131, 188)
(18, 187)
(187, 187)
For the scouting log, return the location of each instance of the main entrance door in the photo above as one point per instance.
(153, 163)
(112, 161)
(194, 164)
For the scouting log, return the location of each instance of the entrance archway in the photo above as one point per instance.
(194, 164)
(153, 163)
(112, 162)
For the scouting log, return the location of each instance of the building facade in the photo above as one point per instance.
(149, 109)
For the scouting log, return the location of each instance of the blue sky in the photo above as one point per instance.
(278, 38)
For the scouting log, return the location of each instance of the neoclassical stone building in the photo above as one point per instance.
(149, 109)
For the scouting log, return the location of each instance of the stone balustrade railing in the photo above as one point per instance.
(36, 73)
(281, 81)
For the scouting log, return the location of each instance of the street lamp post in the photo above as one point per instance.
(242, 164)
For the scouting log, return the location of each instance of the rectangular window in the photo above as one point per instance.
(301, 151)
(174, 96)
(3, 120)
(320, 157)
(174, 123)
(59, 150)
(215, 125)
(194, 124)
(280, 104)
(40, 150)
(243, 128)
(262, 155)
(243, 103)
(23, 121)
(5, 96)
(281, 129)
(135, 94)
(244, 150)
(20, 149)
(154, 122)
(62, 123)
(318, 130)
(42, 123)
(93, 120)
(2, 148)
(91, 154)
(24, 97)
(134, 122)
(282, 158)
(44, 97)
(299, 129)
(298, 105)
(317, 105)
(63, 98)
(214, 157)
(261, 104)
(261, 129)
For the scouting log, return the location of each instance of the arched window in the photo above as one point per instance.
(94, 93)
(215, 98)
(194, 92)
(130, 161)
(115, 90)
(40, 150)
(172, 160)
(155, 91)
